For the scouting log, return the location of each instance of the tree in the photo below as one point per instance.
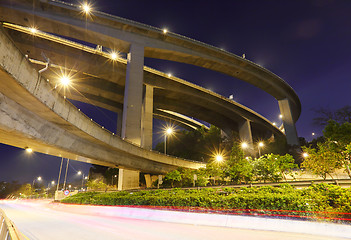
(339, 136)
(25, 190)
(173, 176)
(339, 132)
(341, 115)
(187, 176)
(96, 184)
(323, 160)
(285, 163)
(347, 160)
(266, 168)
(239, 168)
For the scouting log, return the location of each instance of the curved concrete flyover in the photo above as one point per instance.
(31, 114)
(104, 87)
(117, 33)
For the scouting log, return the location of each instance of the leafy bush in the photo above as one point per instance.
(319, 197)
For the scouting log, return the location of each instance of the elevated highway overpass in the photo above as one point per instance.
(125, 86)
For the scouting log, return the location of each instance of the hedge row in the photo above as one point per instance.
(318, 197)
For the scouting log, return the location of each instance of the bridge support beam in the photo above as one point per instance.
(288, 122)
(127, 179)
(132, 105)
(119, 123)
(147, 117)
(245, 135)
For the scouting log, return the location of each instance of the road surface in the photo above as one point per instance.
(40, 219)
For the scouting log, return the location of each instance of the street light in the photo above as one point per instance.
(86, 7)
(168, 132)
(28, 150)
(83, 177)
(113, 176)
(305, 155)
(65, 80)
(244, 145)
(219, 158)
(113, 55)
(259, 146)
(38, 179)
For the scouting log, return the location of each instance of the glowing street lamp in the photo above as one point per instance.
(38, 179)
(305, 155)
(168, 132)
(113, 176)
(219, 158)
(114, 56)
(65, 80)
(259, 146)
(33, 30)
(86, 8)
(165, 31)
(281, 116)
(29, 150)
(244, 145)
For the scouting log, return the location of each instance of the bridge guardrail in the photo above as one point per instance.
(7, 229)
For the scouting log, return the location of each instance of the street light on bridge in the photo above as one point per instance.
(86, 7)
(65, 80)
(28, 150)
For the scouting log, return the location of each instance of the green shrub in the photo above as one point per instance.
(317, 197)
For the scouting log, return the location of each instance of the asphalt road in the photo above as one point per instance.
(43, 220)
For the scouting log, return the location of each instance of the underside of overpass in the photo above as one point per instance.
(69, 44)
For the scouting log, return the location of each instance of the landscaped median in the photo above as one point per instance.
(321, 201)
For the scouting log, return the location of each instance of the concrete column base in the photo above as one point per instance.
(128, 179)
(149, 179)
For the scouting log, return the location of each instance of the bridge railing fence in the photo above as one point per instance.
(7, 228)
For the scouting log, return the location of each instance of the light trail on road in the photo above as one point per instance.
(40, 219)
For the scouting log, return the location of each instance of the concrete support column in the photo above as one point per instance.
(147, 117)
(245, 132)
(245, 135)
(127, 179)
(132, 105)
(288, 122)
(119, 123)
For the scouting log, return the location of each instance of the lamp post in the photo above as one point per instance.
(113, 176)
(38, 178)
(52, 184)
(83, 177)
(168, 132)
(64, 183)
(259, 146)
(59, 176)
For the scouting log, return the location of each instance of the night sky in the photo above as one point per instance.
(307, 43)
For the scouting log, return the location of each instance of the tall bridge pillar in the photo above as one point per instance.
(119, 123)
(133, 92)
(147, 116)
(288, 122)
(245, 135)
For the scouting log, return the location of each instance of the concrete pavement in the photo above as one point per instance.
(44, 220)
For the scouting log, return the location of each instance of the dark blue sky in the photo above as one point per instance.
(307, 43)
